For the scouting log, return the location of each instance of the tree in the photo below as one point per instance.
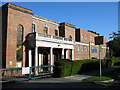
(93, 32)
(114, 44)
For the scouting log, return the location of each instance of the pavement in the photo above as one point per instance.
(88, 74)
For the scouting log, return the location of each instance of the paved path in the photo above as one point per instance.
(88, 74)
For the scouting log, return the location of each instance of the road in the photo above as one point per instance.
(57, 83)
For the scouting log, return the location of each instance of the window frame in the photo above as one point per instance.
(85, 36)
(57, 32)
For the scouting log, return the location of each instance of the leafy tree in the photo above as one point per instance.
(114, 44)
(93, 32)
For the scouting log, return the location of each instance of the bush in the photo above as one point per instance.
(89, 65)
(62, 68)
(67, 67)
(76, 66)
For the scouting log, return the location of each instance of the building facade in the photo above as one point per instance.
(29, 40)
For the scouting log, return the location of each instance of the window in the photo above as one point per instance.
(82, 35)
(19, 49)
(82, 48)
(70, 38)
(33, 27)
(56, 32)
(86, 49)
(85, 36)
(93, 38)
(90, 38)
(45, 31)
(94, 50)
(78, 48)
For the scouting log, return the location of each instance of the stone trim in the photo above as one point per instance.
(20, 10)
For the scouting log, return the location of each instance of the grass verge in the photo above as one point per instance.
(96, 78)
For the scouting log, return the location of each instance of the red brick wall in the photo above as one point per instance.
(88, 36)
(16, 18)
(40, 27)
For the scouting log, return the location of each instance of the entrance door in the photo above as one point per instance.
(55, 56)
(45, 61)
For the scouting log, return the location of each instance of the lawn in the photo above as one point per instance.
(96, 78)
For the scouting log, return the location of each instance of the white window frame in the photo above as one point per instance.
(90, 37)
(93, 38)
(32, 27)
(82, 48)
(85, 36)
(82, 35)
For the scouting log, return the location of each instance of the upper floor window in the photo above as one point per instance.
(33, 27)
(70, 38)
(94, 50)
(19, 49)
(82, 48)
(45, 31)
(93, 38)
(85, 36)
(56, 32)
(82, 35)
(78, 48)
(90, 38)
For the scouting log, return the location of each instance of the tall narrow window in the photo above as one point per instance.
(45, 31)
(82, 35)
(90, 38)
(33, 27)
(93, 38)
(70, 38)
(85, 36)
(56, 32)
(82, 48)
(19, 49)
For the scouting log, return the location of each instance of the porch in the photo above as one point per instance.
(46, 49)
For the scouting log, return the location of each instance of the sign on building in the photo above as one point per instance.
(25, 70)
(99, 40)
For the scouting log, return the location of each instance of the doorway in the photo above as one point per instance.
(56, 56)
(45, 61)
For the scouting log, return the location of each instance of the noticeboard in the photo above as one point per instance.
(25, 70)
(99, 40)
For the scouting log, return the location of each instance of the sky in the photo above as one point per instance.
(101, 17)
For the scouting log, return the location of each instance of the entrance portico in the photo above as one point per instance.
(50, 49)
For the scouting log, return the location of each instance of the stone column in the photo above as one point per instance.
(30, 58)
(36, 60)
(51, 58)
(72, 54)
(62, 54)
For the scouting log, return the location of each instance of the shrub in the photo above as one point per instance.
(67, 67)
(89, 65)
(76, 66)
(62, 68)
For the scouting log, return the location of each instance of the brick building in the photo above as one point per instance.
(29, 40)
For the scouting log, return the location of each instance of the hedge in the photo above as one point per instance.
(112, 62)
(67, 67)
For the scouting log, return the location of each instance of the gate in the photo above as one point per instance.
(15, 74)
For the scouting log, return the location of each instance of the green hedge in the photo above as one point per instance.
(112, 62)
(67, 67)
